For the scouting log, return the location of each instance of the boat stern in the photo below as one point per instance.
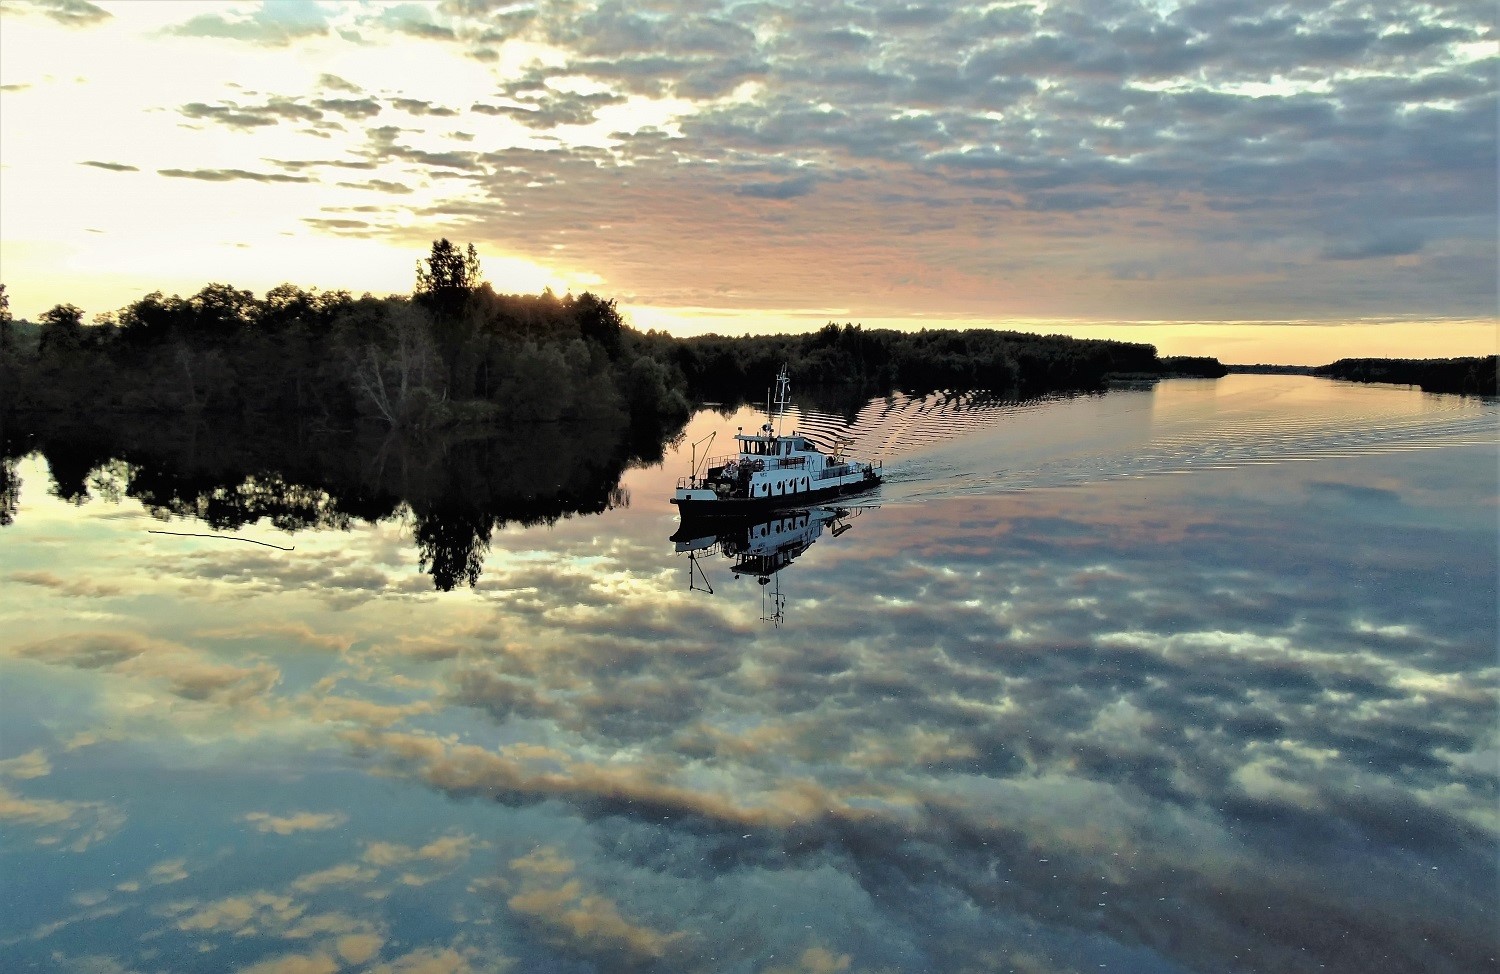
(693, 495)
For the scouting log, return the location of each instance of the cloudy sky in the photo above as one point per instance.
(1219, 177)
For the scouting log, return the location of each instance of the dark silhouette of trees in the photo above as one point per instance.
(879, 361)
(456, 352)
(448, 279)
(1474, 376)
(599, 321)
(446, 284)
(1199, 366)
(62, 331)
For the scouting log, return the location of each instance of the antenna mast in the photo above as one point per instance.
(783, 391)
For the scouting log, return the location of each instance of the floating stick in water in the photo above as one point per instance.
(223, 537)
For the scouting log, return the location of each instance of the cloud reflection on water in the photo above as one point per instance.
(1234, 721)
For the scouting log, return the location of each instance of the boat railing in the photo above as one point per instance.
(836, 470)
(713, 463)
(755, 462)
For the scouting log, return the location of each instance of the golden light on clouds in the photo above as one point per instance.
(918, 167)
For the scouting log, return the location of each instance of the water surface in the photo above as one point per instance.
(1193, 678)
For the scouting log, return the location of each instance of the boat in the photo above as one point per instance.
(772, 471)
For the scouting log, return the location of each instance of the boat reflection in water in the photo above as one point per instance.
(759, 548)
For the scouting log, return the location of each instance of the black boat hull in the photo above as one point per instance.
(725, 507)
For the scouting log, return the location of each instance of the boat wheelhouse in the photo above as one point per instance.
(772, 470)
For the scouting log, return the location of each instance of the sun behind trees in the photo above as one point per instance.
(453, 353)
(456, 354)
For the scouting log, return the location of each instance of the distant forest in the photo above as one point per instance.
(1475, 376)
(456, 353)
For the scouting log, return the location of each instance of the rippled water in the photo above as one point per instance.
(1035, 705)
(967, 443)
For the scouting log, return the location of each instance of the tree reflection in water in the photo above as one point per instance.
(456, 489)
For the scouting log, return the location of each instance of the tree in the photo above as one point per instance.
(154, 318)
(5, 320)
(393, 376)
(599, 320)
(220, 310)
(450, 277)
(445, 287)
(62, 330)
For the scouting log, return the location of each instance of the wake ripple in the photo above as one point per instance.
(946, 444)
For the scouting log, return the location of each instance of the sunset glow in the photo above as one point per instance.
(1283, 187)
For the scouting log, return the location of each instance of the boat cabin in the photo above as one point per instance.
(771, 468)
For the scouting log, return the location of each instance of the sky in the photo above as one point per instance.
(1283, 183)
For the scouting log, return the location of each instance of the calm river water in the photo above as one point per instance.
(1194, 678)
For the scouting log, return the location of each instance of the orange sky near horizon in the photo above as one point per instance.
(1321, 193)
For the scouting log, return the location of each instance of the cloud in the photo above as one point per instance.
(333, 82)
(346, 874)
(1394, 246)
(72, 825)
(1043, 683)
(381, 186)
(360, 948)
(296, 822)
(337, 223)
(69, 13)
(368, 712)
(111, 166)
(245, 915)
(416, 106)
(584, 922)
(340, 579)
(815, 960)
(451, 848)
(32, 764)
(270, 25)
(229, 175)
(167, 871)
(784, 189)
(317, 963)
(440, 960)
(90, 651)
(194, 678)
(186, 672)
(284, 634)
(1145, 135)
(246, 118)
(349, 107)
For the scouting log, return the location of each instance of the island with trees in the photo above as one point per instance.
(1471, 376)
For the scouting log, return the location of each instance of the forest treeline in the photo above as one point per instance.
(455, 352)
(878, 361)
(1474, 376)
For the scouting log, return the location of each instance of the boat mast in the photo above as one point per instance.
(783, 391)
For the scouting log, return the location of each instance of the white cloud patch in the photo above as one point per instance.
(295, 822)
